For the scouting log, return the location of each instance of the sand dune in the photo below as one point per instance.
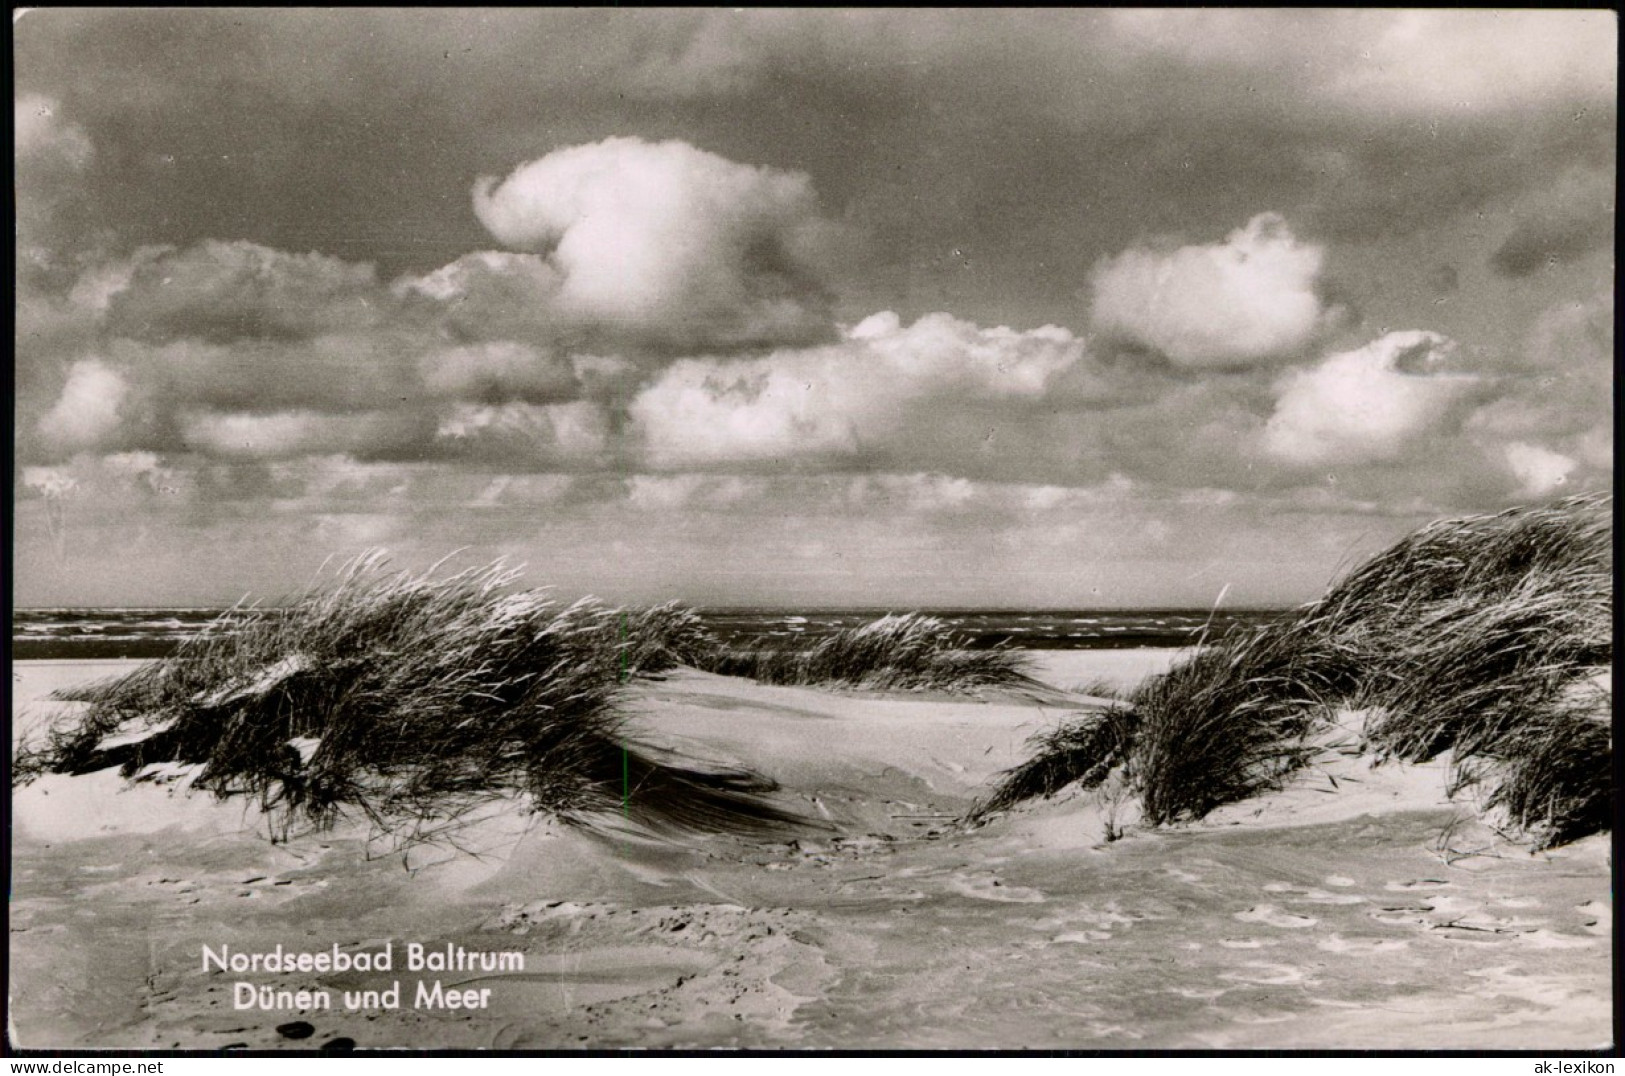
(1358, 908)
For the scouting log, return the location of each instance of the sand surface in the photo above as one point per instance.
(1359, 908)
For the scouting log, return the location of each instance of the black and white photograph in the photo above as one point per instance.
(835, 529)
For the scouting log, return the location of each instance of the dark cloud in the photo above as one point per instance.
(53, 153)
(218, 292)
(1381, 179)
(1558, 225)
(1443, 280)
(257, 303)
(1032, 138)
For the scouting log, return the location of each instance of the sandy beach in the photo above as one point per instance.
(1358, 908)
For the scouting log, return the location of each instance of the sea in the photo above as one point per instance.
(58, 634)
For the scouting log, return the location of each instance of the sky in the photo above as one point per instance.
(811, 308)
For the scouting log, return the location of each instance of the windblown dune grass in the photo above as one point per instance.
(894, 653)
(1485, 637)
(410, 700)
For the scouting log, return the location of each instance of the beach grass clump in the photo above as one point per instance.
(1228, 723)
(1481, 636)
(1082, 752)
(662, 637)
(410, 700)
(910, 652)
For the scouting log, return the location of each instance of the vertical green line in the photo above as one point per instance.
(626, 790)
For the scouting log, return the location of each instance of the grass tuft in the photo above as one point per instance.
(1480, 636)
(894, 653)
(409, 700)
(1083, 752)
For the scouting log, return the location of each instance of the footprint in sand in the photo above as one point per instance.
(1267, 974)
(989, 887)
(1084, 936)
(1339, 881)
(1270, 915)
(1598, 917)
(522, 918)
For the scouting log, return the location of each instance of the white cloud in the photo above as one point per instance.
(1539, 469)
(87, 414)
(1366, 405)
(1388, 61)
(456, 281)
(1249, 299)
(51, 483)
(703, 411)
(102, 281)
(668, 242)
(945, 353)
(499, 370)
(146, 468)
(282, 434)
(1476, 60)
(527, 431)
(41, 133)
(839, 399)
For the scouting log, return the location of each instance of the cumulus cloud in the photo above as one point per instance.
(88, 413)
(225, 325)
(556, 433)
(842, 399)
(52, 483)
(673, 244)
(241, 352)
(1539, 469)
(490, 294)
(1249, 299)
(224, 291)
(1367, 405)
